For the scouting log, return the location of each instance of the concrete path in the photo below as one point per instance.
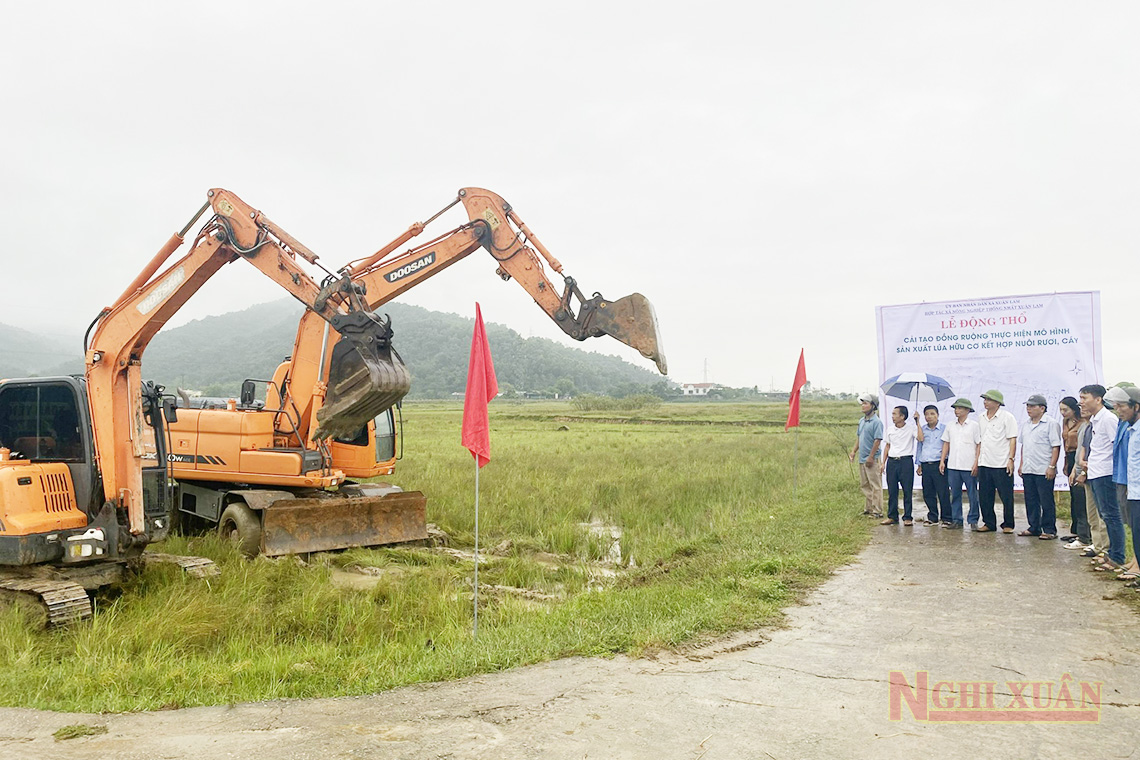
(964, 607)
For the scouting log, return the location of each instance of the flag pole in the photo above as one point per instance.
(475, 623)
(795, 461)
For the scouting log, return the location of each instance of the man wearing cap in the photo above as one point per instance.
(995, 461)
(1133, 491)
(1116, 399)
(868, 440)
(961, 441)
(1125, 410)
(1098, 469)
(1040, 438)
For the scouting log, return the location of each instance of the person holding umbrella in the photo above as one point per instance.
(898, 462)
(933, 482)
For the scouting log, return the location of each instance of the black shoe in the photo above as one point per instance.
(1067, 539)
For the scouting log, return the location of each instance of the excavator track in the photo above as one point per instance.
(195, 567)
(59, 602)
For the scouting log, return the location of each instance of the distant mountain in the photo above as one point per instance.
(25, 353)
(216, 353)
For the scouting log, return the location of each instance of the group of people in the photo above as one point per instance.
(1092, 446)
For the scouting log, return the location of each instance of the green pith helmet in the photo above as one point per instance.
(993, 395)
(965, 403)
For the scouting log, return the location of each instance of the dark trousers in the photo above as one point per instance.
(991, 479)
(1077, 506)
(1104, 491)
(959, 478)
(935, 492)
(1040, 507)
(900, 472)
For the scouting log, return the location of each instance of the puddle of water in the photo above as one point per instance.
(610, 533)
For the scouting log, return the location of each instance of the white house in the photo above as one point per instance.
(698, 389)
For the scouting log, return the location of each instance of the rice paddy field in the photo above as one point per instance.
(601, 532)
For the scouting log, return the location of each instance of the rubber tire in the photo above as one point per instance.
(242, 527)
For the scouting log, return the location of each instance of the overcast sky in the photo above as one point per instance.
(765, 172)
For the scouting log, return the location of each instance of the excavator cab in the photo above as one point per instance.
(50, 486)
(370, 452)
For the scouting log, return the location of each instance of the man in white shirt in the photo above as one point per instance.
(1040, 439)
(1098, 468)
(960, 443)
(995, 461)
(898, 461)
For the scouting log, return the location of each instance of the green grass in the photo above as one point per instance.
(712, 541)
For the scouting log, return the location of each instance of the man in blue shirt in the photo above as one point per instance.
(870, 438)
(935, 484)
(1117, 399)
(1125, 408)
(1130, 413)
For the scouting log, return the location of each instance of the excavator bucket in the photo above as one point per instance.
(632, 321)
(296, 526)
(366, 376)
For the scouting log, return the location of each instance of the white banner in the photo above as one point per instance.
(1019, 345)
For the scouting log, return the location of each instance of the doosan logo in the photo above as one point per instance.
(414, 266)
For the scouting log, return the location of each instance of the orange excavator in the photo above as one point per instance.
(313, 401)
(86, 462)
(84, 471)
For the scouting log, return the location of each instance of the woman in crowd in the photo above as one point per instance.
(1070, 433)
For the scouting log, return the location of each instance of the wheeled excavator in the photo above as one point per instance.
(312, 402)
(84, 460)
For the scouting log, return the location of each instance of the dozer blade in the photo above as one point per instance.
(366, 376)
(632, 321)
(297, 526)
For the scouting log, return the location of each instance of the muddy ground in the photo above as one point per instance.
(964, 607)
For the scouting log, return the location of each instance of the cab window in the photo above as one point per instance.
(385, 437)
(41, 422)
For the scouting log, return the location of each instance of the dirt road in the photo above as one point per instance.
(964, 607)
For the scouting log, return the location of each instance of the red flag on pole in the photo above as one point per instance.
(794, 401)
(481, 388)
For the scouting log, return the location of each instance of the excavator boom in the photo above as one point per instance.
(332, 391)
(496, 227)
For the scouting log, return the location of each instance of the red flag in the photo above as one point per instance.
(794, 401)
(481, 388)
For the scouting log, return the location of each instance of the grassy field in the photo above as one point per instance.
(711, 541)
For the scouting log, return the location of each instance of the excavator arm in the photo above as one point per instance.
(113, 357)
(497, 228)
(494, 226)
